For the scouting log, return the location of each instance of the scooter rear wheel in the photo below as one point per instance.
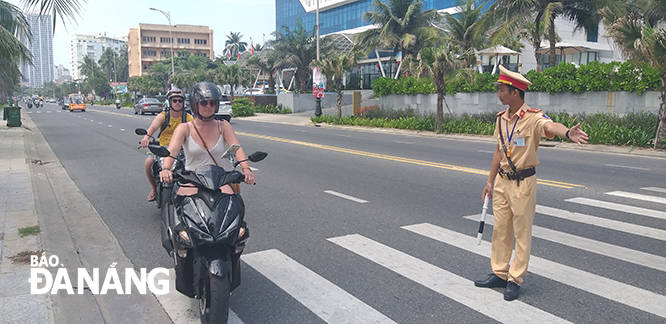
(214, 304)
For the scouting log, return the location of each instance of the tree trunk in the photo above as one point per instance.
(537, 56)
(660, 139)
(440, 108)
(338, 103)
(551, 40)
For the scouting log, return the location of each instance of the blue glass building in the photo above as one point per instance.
(337, 19)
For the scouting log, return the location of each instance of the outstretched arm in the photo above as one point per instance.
(575, 134)
(231, 138)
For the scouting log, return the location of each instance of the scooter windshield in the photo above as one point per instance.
(210, 176)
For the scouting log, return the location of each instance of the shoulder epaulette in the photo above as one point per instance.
(534, 110)
(501, 112)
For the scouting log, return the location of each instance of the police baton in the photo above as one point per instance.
(482, 221)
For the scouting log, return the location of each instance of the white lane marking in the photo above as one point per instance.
(586, 244)
(618, 207)
(39, 112)
(110, 125)
(486, 151)
(626, 167)
(328, 301)
(459, 289)
(100, 123)
(122, 129)
(595, 284)
(632, 195)
(182, 309)
(403, 142)
(300, 130)
(602, 222)
(48, 111)
(655, 189)
(334, 193)
(344, 135)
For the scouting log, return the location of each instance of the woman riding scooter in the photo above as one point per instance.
(205, 139)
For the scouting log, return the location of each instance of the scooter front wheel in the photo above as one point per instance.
(214, 302)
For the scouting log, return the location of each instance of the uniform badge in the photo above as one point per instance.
(522, 114)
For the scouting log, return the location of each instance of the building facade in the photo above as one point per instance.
(93, 46)
(41, 48)
(62, 73)
(344, 19)
(150, 43)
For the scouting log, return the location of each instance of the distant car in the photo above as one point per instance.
(225, 111)
(148, 105)
(50, 100)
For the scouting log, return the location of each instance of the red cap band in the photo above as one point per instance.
(512, 82)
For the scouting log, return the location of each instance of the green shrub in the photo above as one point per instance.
(565, 77)
(242, 107)
(271, 109)
(633, 129)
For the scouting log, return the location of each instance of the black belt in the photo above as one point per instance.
(519, 175)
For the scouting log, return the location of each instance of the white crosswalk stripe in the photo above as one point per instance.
(328, 301)
(485, 301)
(618, 207)
(602, 222)
(632, 195)
(585, 244)
(595, 284)
(655, 189)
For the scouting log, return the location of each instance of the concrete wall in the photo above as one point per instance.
(587, 102)
(299, 102)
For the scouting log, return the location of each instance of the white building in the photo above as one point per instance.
(62, 73)
(41, 48)
(93, 46)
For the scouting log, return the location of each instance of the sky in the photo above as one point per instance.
(252, 18)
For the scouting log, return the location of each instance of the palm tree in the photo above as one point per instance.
(334, 68)
(258, 47)
(88, 67)
(108, 63)
(298, 47)
(123, 64)
(403, 26)
(232, 75)
(235, 43)
(467, 29)
(583, 13)
(13, 27)
(442, 63)
(640, 41)
(268, 61)
(161, 71)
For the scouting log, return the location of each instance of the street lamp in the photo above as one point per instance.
(317, 30)
(168, 16)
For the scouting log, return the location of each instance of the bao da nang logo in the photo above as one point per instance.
(43, 282)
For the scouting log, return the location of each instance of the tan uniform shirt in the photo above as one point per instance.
(530, 125)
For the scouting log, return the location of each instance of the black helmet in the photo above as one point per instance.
(175, 92)
(203, 91)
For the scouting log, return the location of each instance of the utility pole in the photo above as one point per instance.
(317, 30)
(168, 16)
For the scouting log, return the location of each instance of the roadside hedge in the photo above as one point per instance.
(565, 77)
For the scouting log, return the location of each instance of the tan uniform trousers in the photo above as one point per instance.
(513, 207)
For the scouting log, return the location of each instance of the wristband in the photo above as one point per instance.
(164, 169)
(246, 168)
(567, 134)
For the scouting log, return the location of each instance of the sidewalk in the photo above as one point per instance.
(35, 190)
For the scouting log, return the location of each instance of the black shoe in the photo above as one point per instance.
(493, 281)
(511, 291)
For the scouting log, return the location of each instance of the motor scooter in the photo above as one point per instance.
(205, 233)
(117, 105)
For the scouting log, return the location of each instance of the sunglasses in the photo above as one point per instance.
(212, 103)
(177, 100)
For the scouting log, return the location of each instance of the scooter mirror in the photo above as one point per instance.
(158, 150)
(257, 156)
(140, 131)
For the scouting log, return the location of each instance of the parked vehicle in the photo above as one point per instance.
(225, 112)
(254, 91)
(77, 102)
(205, 233)
(148, 105)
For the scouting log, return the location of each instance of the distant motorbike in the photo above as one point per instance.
(205, 233)
(117, 105)
(29, 104)
(163, 189)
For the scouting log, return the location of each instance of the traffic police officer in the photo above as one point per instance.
(518, 132)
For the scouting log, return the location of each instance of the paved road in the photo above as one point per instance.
(351, 226)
